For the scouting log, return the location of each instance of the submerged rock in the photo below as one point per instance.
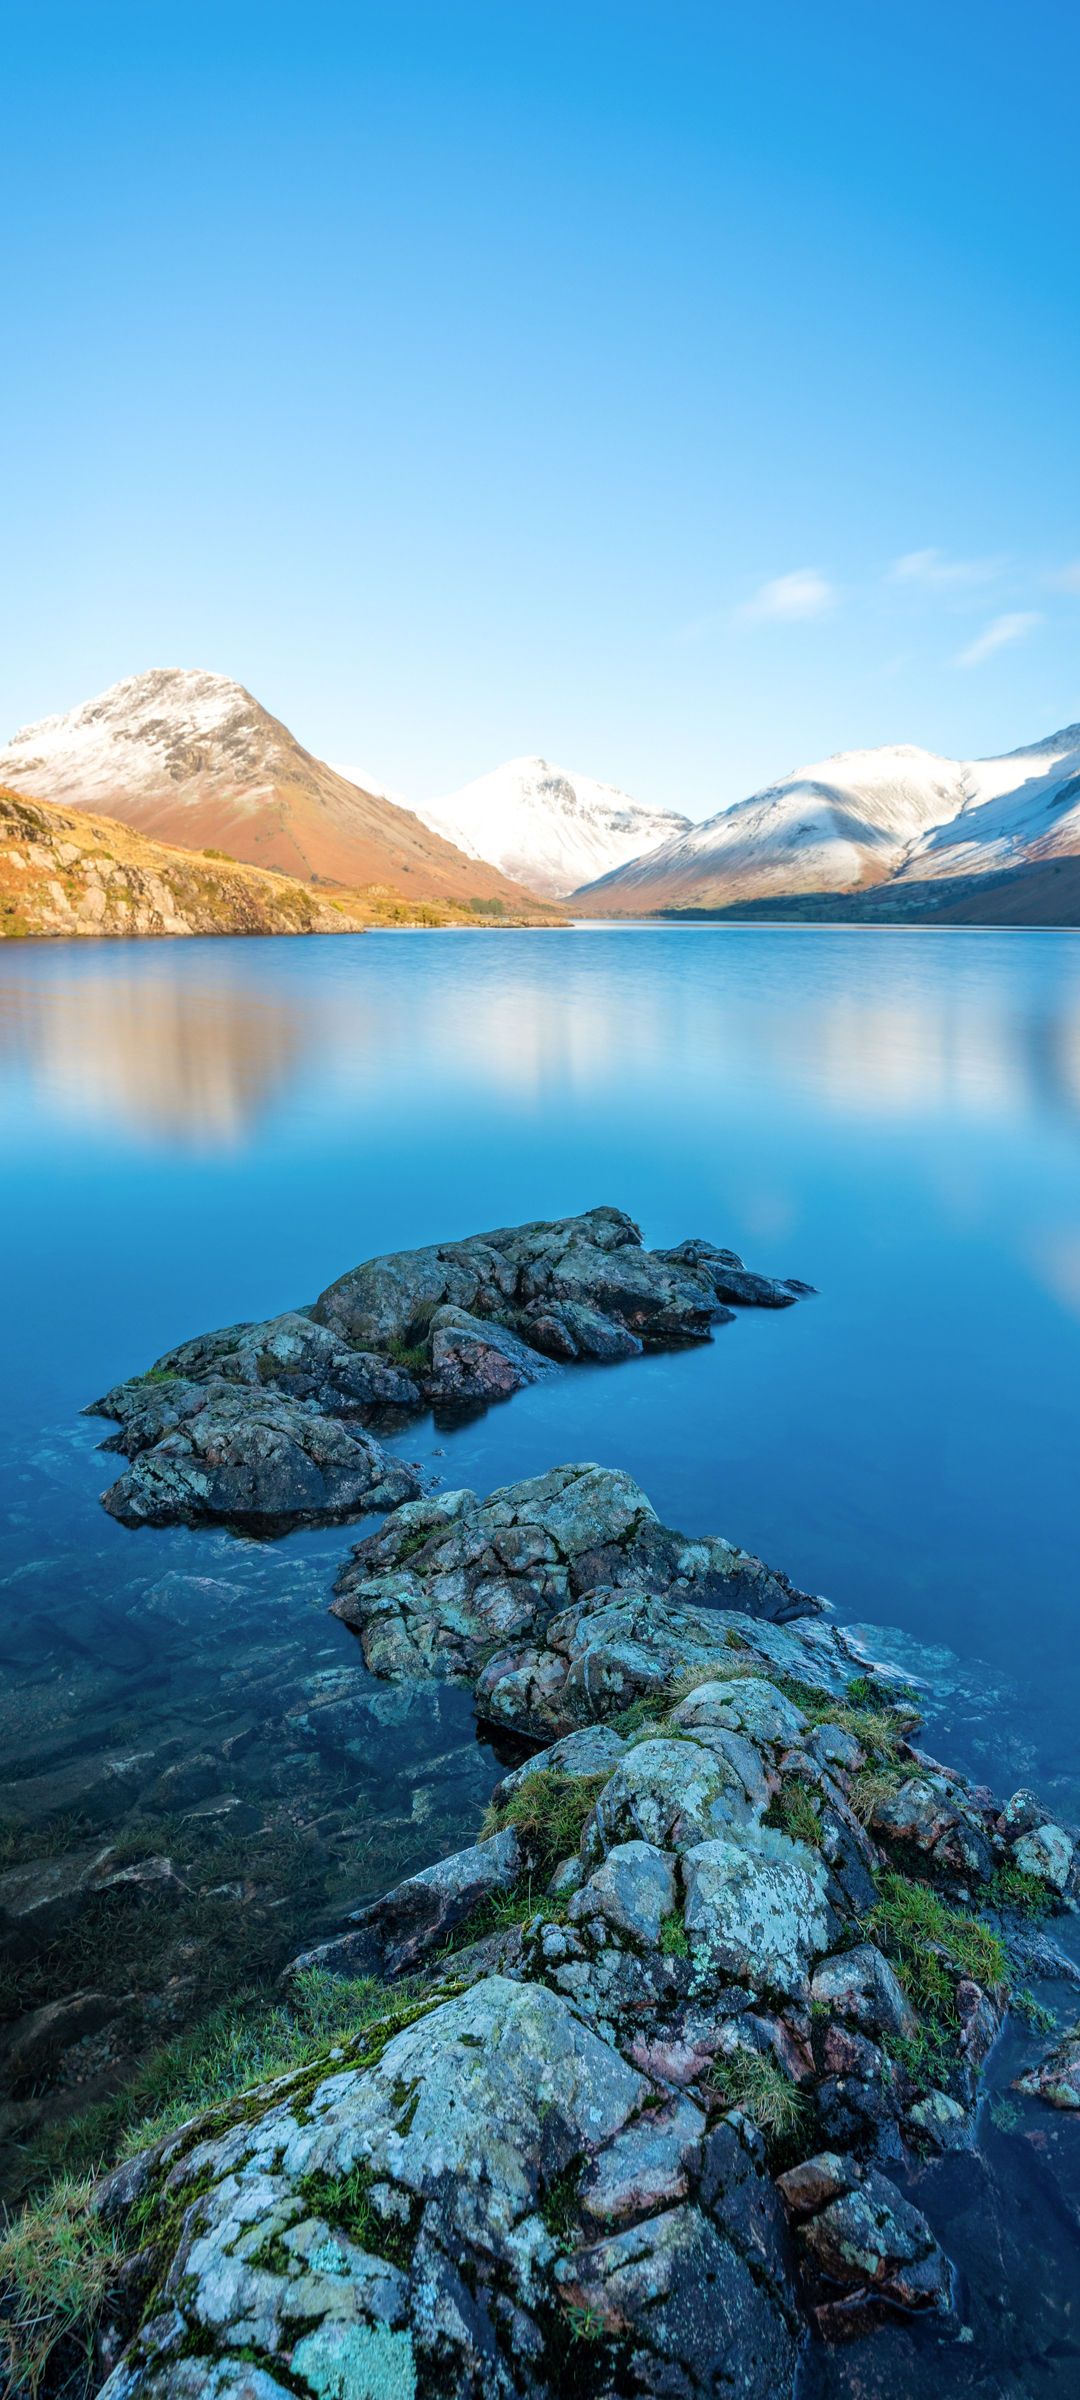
(1057, 2076)
(247, 1422)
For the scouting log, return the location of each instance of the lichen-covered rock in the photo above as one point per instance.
(873, 2238)
(749, 1705)
(1046, 1852)
(379, 2231)
(633, 1891)
(261, 1462)
(596, 1750)
(479, 1319)
(859, 1986)
(473, 1362)
(564, 1577)
(686, 2301)
(756, 1911)
(669, 1793)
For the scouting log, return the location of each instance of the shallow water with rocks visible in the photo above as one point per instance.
(208, 1131)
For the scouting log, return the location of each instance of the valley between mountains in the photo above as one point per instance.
(193, 761)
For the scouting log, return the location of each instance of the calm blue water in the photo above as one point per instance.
(205, 1131)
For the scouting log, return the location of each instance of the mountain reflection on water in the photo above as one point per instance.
(153, 1057)
(177, 1049)
(202, 1132)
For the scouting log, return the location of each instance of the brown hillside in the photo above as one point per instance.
(192, 759)
(64, 872)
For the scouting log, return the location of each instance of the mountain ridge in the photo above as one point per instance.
(859, 819)
(187, 757)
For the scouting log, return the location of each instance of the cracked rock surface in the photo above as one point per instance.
(263, 1424)
(642, 2132)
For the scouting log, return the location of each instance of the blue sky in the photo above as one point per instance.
(681, 392)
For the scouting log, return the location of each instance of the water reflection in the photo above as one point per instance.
(186, 1064)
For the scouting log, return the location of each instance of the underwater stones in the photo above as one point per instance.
(262, 1462)
(870, 2238)
(1056, 2079)
(392, 1935)
(633, 1890)
(756, 1911)
(860, 1986)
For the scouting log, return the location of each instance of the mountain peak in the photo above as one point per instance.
(189, 757)
(547, 825)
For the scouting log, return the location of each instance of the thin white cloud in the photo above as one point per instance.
(789, 599)
(1003, 630)
(929, 567)
(1067, 579)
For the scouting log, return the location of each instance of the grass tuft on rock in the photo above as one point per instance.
(751, 2081)
(794, 1811)
(57, 2264)
(933, 1945)
(548, 1813)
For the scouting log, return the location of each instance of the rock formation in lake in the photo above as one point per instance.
(265, 1424)
(187, 757)
(726, 1961)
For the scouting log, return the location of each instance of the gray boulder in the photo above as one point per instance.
(386, 2229)
(497, 1576)
(860, 1987)
(633, 1891)
(262, 1462)
(393, 1935)
(756, 1911)
(668, 1793)
(871, 2238)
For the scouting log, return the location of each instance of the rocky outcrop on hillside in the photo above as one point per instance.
(64, 873)
(723, 1965)
(261, 1423)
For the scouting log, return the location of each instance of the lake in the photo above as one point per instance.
(203, 1132)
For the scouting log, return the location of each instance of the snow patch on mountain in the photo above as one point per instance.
(865, 817)
(546, 827)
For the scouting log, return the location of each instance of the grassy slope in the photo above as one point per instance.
(64, 872)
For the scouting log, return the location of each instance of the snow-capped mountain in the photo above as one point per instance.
(192, 758)
(549, 829)
(860, 818)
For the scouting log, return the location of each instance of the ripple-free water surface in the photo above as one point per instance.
(200, 1132)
